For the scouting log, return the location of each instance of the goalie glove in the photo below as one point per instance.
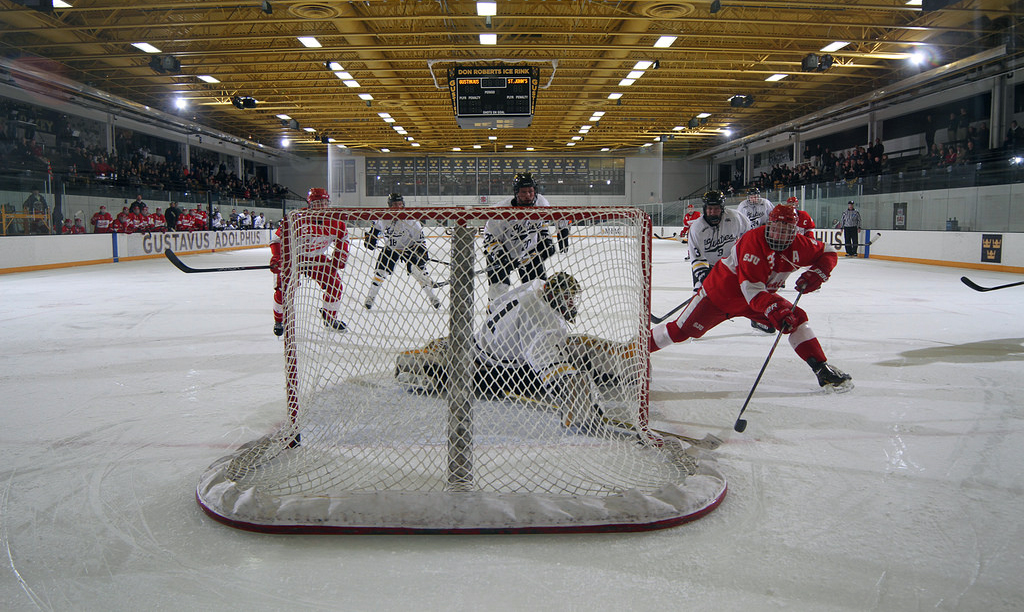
(780, 314)
(811, 280)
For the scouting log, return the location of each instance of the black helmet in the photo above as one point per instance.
(523, 179)
(753, 191)
(395, 197)
(713, 198)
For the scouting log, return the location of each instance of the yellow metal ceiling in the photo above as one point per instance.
(400, 52)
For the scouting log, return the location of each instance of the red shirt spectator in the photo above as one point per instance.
(66, 228)
(120, 224)
(78, 227)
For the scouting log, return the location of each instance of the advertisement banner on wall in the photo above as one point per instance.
(899, 216)
(184, 242)
(992, 248)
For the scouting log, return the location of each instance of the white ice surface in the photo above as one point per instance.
(121, 383)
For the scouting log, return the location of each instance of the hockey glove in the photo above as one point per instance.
(275, 264)
(780, 314)
(700, 273)
(811, 280)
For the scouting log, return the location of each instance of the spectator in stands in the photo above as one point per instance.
(952, 127)
(1014, 137)
(929, 133)
(981, 141)
(138, 203)
(101, 221)
(963, 124)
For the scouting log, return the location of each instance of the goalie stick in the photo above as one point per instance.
(178, 263)
(656, 319)
(977, 287)
(741, 423)
(708, 442)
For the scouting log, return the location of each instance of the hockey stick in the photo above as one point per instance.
(977, 287)
(189, 270)
(656, 319)
(708, 442)
(741, 423)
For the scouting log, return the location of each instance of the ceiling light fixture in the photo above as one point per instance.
(148, 48)
(665, 41)
(839, 44)
(486, 9)
(488, 39)
(207, 78)
(777, 77)
(309, 41)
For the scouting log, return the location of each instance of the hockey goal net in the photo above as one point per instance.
(397, 424)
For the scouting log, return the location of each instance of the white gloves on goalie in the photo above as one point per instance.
(575, 395)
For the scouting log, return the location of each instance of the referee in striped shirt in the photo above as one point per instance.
(851, 229)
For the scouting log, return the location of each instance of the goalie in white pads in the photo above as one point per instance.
(524, 349)
(399, 240)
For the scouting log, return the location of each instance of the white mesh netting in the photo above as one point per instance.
(493, 411)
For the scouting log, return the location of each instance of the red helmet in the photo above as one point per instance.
(781, 227)
(793, 201)
(319, 196)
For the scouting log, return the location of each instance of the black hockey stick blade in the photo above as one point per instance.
(977, 287)
(179, 264)
(656, 319)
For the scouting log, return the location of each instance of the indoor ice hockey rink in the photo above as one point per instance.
(123, 382)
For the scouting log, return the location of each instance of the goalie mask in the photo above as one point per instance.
(714, 206)
(781, 228)
(525, 189)
(318, 198)
(560, 292)
(395, 200)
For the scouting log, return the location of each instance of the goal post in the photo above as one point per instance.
(417, 416)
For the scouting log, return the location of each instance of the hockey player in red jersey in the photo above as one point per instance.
(157, 221)
(101, 221)
(805, 224)
(692, 214)
(746, 284)
(321, 251)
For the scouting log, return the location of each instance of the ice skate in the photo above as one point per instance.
(333, 323)
(368, 303)
(830, 377)
(435, 302)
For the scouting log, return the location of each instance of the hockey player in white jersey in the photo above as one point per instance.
(755, 208)
(713, 235)
(399, 240)
(522, 349)
(522, 246)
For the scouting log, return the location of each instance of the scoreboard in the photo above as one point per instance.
(488, 97)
